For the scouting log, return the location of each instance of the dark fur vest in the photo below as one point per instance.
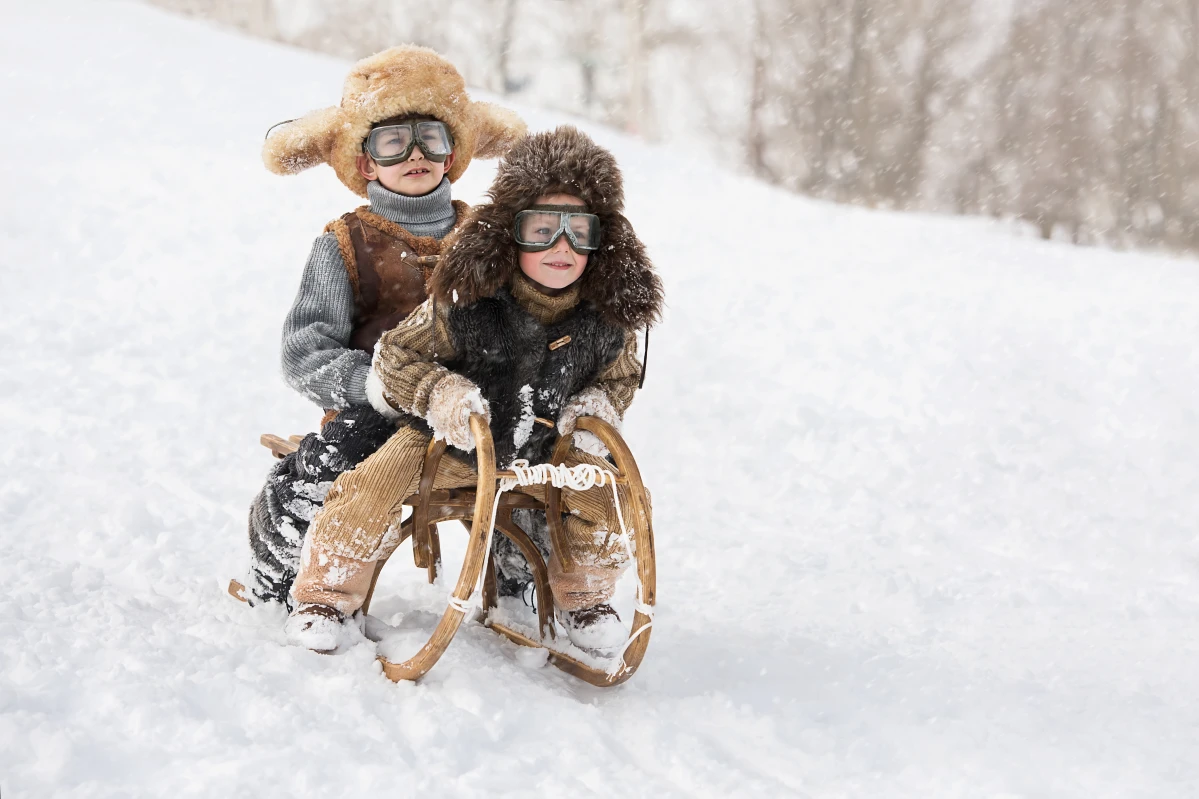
(505, 351)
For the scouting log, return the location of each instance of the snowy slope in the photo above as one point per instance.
(925, 494)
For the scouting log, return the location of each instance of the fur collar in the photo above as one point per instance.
(423, 245)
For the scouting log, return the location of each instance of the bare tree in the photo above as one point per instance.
(1081, 118)
(507, 84)
(755, 130)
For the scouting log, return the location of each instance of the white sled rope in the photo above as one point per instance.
(581, 477)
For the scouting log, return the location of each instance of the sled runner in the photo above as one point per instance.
(481, 512)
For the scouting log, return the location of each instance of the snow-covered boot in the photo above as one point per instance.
(514, 577)
(315, 627)
(597, 629)
(513, 587)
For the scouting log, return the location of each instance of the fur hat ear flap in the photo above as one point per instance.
(302, 143)
(498, 129)
(619, 278)
(478, 259)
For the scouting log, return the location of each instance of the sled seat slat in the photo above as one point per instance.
(456, 499)
(280, 447)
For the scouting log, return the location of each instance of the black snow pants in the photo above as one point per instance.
(295, 491)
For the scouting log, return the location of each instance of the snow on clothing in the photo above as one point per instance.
(619, 280)
(387, 270)
(493, 327)
(360, 277)
(598, 368)
(320, 358)
(294, 491)
(355, 527)
(336, 569)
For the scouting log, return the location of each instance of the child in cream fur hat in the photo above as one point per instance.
(404, 131)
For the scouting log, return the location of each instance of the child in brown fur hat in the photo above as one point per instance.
(538, 300)
(404, 131)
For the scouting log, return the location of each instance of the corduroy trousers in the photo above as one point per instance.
(359, 523)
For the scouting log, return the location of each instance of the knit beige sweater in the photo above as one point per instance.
(404, 373)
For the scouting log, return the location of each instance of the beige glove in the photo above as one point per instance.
(451, 403)
(588, 402)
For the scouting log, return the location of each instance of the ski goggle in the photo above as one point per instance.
(392, 144)
(540, 226)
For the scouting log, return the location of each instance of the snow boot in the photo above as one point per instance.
(514, 588)
(315, 627)
(596, 630)
(514, 577)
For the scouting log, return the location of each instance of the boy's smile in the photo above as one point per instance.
(558, 262)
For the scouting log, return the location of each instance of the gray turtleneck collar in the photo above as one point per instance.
(429, 215)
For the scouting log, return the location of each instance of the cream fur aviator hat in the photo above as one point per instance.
(396, 82)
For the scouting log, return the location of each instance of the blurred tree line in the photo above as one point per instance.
(1079, 117)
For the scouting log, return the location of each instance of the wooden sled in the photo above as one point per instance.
(473, 510)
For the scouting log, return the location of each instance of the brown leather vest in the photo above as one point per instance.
(388, 267)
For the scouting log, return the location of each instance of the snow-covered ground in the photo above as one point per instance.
(925, 494)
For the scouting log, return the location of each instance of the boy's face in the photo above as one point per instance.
(559, 266)
(415, 177)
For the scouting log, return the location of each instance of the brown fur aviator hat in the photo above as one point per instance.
(482, 256)
(396, 82)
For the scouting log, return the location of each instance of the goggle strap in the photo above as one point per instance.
(644, 359)
(562, 209)
(284, 122)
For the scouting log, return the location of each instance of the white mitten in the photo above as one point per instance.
(376, 394)
(451, 403)
(588, 402)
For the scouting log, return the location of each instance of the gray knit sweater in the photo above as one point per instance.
(317, 360)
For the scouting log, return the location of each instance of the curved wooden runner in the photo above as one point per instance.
(638, 517)
(432, 506)
(426, 549)
(419, 664)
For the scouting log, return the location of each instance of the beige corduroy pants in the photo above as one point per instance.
(359, 524)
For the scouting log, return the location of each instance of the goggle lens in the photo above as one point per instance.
(434, 138)
(539, 227)
(390, 142)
